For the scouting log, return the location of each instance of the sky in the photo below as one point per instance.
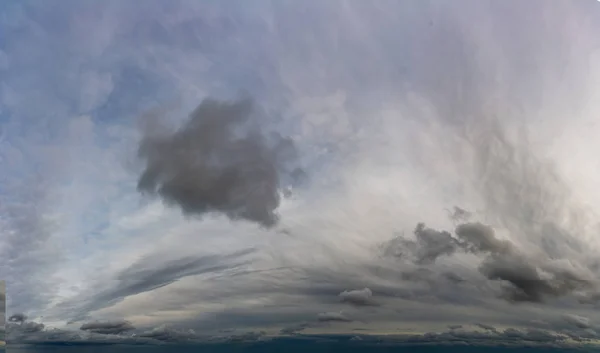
(187, 171)
(2, 312)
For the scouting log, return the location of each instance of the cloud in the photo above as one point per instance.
(18, 317)
(147, 274)
(219, 161)
(486, 327)
(509, 336)
(31, 326)
(528, 278)
(294, 329)
(332, 317)
(481, 238)
(577, 321)
(168, 334)
(108, 327)
(357, 296)
(391, 134)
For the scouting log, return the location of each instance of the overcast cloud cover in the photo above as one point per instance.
(200, 170)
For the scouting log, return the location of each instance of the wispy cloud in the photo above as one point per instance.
(397, 112)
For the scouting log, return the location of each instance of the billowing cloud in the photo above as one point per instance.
(357, 296)
(219, 161)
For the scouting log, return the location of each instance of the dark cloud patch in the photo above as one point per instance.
(218, 161)
(528, 281)
(527, 278)
(167, 333)
(290, 330)
(429, 244)
(332, 317)
(17, 317)
(478, 238)
(486, 327)
(359, 297)
(247, 336)
(454, 327)
(108, 327)
(577, 321)
(32, 326)
(36, 334)
(432, 244)
(510, 336)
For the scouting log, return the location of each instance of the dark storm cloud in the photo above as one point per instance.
(108, 327)
(218, 161)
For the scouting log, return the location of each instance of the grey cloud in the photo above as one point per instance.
(510, 336)
(528, 279)
(357, 296)
(18, 317)
(459, 214)
(247, 336)
(332, 317)
(432, 244)
(481, 238)
(167, 333)
(428, 246)
(108, 327)
(486, 327)
(577, 321)
(148, 274)
(290, 330)
(32, 326)
(219, 161)
(455, 327)
(36, 333)
(525, 277)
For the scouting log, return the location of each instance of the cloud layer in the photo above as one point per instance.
(447, 174)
